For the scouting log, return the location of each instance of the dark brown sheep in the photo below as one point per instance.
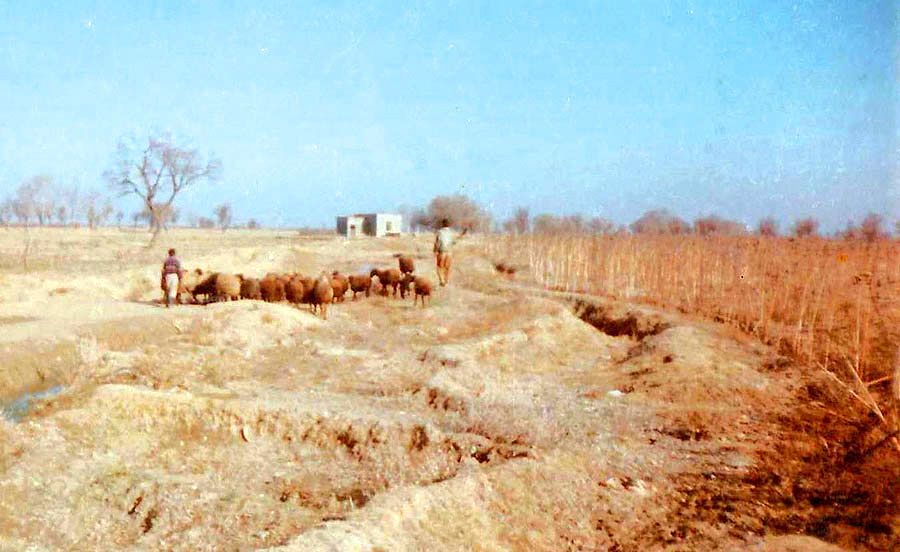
(360, 283)
(388, 278)
(407, 265)
(340, 284)
(405, 284)
(272, 289)
(322, 294)
(309, 285)
(507, 270)
(250, 289)
(205, 286)
(294, 291)
(423, 289)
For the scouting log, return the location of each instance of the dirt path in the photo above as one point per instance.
(492, 420)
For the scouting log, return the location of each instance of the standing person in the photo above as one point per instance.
(443, 243)
(171, 275)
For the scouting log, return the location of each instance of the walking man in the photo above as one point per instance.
(171, 276)
(443, 244)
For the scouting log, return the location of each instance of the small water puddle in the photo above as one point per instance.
(16, 409)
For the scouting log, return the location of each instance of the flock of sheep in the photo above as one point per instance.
(202, 287)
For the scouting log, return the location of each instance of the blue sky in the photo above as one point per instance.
(604, 108)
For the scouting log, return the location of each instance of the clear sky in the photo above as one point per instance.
(605, 108)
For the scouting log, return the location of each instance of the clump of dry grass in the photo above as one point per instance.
(140, 286)
(825, 303)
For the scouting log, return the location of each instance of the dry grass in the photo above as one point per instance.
(482, 422)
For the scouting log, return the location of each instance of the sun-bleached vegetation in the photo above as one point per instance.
(828, 304)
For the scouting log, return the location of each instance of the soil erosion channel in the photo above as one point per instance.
(493, 419)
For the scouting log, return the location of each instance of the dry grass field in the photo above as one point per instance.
(613, 396)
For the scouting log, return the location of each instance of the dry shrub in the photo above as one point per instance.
(140, 286)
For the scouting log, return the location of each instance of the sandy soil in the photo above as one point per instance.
(497, 418)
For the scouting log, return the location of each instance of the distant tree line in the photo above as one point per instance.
(40, 201)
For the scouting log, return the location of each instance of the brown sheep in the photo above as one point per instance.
(360, 283)
(322, 294)
(294, 291)
(227, 287)
(405, 283)
(388, 278)
(250, 289)
(407, 265)
(507, 270)
(423, 289)
(309, 285)
(271, 289)
(340, 284)
(205, 286)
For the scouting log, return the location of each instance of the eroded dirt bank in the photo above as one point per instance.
(492, 420)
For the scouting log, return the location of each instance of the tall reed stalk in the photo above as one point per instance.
(823, 302)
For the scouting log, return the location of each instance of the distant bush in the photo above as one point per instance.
(461, 211)
(714, 224)
(807, 227)
(767, 226)
(659, 221)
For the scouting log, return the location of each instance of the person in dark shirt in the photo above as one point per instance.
(171, 278)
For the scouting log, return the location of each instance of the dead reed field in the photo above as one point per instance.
(830, 305)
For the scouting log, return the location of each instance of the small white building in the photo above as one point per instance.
(373, 224)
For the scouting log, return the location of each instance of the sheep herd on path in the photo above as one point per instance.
(200, 287)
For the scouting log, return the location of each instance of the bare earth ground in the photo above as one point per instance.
(498, 418)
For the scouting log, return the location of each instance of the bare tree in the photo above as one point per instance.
(62, 215)
(767, 226)
(159, 217)
(40, 194)
(6, 212)
(461, 211)
(206, 222)
(158, 173)
(223, 215)
(95, 213)
(119, 216)
(714, 224)
(850, 232)
(252, 224)
(871, 227)
(659, 221)
(25, 203)
(806, 227)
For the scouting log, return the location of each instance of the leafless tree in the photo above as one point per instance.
(62, 215)
(223, 215)
(159, 217)
(206, 222)
(6, 212)
(659, 221)
(872, 227)
(158, 173)
(806, 227)
(252, 224)
(40, 193)
(767, 226)
(96, 211)
(461, 211)
(714, 224)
